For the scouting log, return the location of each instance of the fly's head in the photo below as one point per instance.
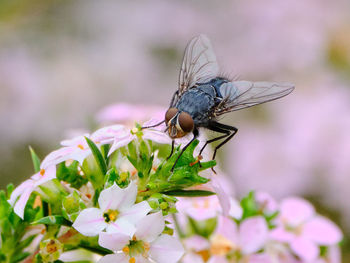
(178, 123)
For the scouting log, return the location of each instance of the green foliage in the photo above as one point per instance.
(59, 207)
(72, 205)
(189, 193)
(98, 156)
(53, 220)
(12, 229)
(71, 174)
(93, 172)
(249, 206)
(185, 173)
(203, 228)
(35, 159)
(112, 176)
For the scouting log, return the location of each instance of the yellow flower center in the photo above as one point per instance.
(80, 146)
(221, 246)
(42, 172)
(136, 247)
(51, 247)
(111, 215)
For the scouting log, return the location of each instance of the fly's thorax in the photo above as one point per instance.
(179, 123)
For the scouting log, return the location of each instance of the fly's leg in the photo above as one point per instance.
(229, 132)
(172, 149)
(152, 126)
(195, 135)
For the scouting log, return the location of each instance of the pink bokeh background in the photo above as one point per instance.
(61, 64)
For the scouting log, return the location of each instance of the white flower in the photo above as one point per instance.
(78, 149)
(25, 189)
(146, 246)
(118, 212)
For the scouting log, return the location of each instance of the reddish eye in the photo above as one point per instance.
(186, 122)
(170, 114)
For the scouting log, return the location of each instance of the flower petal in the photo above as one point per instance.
(296, 210)
(115, 197)
(136, 212)
(280, 234)
(223, 197)
(107, 134)
(113, 241)
(306, 249)
(90, 222)
(322, 231)
(218, 259)
(192, 258)
(22, 201)
(236, 210)
(228, 228)
(196, 243)
(166, 249)
(113, 258)
(49, 174)
(20, 189)
(156, 136)
(56, 157)
(150, 227)
(121, 226)
(120, 142)
(253, 233)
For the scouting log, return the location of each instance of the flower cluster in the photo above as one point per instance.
(113, 193)
(258, 229)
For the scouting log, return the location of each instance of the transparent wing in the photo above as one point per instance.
(243, 94)
(199, 63)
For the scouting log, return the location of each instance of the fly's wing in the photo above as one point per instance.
(243, 94)
(199, 65)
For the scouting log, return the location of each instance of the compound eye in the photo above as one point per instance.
(170, 114)
(186, 122)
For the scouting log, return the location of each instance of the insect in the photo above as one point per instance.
(202, 96)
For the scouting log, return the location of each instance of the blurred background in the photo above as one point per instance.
(62, 62)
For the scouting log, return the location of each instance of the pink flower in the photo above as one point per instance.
(304, 231)
(147, 245)
(129, 113)
(199, 208)
(266, 202)
(118, 212)
(27, 187)
(249, 237)
(229, 239)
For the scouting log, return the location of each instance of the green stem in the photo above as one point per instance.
(177, 227)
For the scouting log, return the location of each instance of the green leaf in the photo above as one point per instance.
(97, 155)
(35, 159)
(9, 190)
(53, 220)
(104, 150)
(72, 205)
(19, 257)
(112, 176)
(93, 172)
(249, 206)
(185, 172)
(203, 228)
(189, 193)
(70, 174)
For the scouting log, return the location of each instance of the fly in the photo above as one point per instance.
(202, 96)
